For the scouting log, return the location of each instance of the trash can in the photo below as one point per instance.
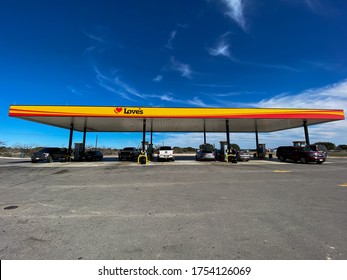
(142, 159)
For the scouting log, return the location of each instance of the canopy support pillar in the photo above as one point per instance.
(84, 135)
(204, 132)
(144, 136)
(151, 132)
(257, 142)
(70, 137)
(307, 137)
(227, 132)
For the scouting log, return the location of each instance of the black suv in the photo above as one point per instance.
(301, 154)
(129, 153)
(49, 154)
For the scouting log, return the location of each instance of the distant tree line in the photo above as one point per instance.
(331, 146)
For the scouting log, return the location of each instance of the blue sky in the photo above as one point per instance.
(201, 53)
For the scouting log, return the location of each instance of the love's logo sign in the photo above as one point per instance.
(127, 111)
(118, 110)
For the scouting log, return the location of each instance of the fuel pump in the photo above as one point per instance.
(143, 158)
(261, 151)
(223, 150)
(78, 152)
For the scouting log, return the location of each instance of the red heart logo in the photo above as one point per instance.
(118, 110)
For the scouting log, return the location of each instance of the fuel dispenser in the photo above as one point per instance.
(223, 150)
(143, 158)
(261, 151)
(78, 152)
(226, 153)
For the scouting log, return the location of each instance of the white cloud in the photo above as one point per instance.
(127, 88)
(235, 10)
(330, 97)
(158, 78)
(222, 48)
(184, 69)
(170, 41)
(196, 101)
(94, 37)
(315, 6)
(116, 86)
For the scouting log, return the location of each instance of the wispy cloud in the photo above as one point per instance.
(93, 37)
(127, 88)
(184, 69)
(196, 101)
(116, 86)
(319, 7)
(80, 92)
(315, 6)
(171, 38)
(235, 10)
(268, 66)
(158, 78)
(222, 49)
(222, 46)
(214, 85)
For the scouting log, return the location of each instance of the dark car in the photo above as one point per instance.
(129, 153)
(319, 148)
(301, 154)
(93, 155)
(49, 154)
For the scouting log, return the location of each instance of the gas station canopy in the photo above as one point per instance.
(130, 119)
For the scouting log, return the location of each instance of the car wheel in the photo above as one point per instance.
(50, 159)
(319, 162)
(303, 160)
(281, 158)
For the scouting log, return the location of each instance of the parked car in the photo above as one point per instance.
(129, 153)
(205, 155)
(49, 154)
(301, 154)
(93, 155)
(319, 148)
(243, 155)
(165, 153)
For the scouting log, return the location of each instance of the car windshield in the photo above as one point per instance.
(165, 148)
(318, 148)
(128, 149)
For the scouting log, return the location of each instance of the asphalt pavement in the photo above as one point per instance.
(261, 209)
